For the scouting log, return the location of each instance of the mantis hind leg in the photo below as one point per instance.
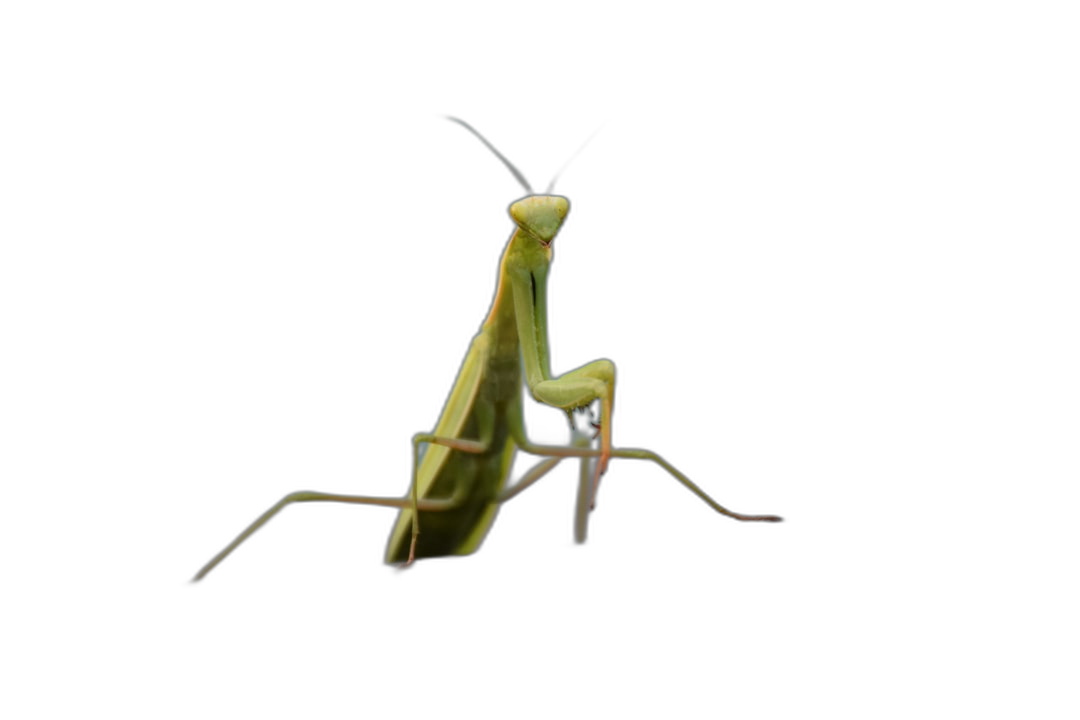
(639, 454)
(564, 451)
(314, 496)
(412, 501)
(584, 496)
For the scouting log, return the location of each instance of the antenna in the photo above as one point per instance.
(551, 185)
(516, 173)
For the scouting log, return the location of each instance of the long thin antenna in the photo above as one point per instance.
(551, 185)
(516, 173)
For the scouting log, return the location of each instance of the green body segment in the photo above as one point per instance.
(485, 401)
(484, 405)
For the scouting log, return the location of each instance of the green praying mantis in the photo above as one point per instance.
(461, 468)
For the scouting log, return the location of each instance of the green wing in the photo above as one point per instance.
(455, 414)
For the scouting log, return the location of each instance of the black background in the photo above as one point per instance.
(314, 265)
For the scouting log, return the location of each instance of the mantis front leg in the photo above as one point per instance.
(578, 388)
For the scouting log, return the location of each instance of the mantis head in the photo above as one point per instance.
(540, 215)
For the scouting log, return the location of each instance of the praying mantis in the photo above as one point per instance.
(461, 468)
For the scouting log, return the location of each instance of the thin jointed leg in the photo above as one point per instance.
(586, 495)
(563, 451)
(639, 454)
(312, 496)
(536, 472)
(412, 501)
(469, 446)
